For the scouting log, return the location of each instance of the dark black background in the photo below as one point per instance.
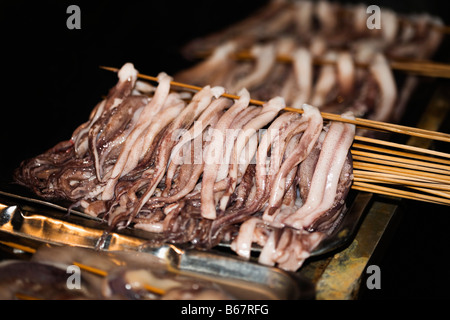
(51, 80)
(52, 73)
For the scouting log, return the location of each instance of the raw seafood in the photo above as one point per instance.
(203, 171)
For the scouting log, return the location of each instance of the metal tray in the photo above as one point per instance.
(33, 224)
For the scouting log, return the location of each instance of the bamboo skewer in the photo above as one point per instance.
(22, 296)
(368, 187)
(422, 68)
(401, 171)
(441, 194)
(390, 172)
(403, 154)
(443, 29)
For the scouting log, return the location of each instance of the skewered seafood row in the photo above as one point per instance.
(330, 25)
(204, 171)
(306, 32)
(335, 87)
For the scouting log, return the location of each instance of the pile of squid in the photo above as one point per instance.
(330, 58)
(202, 169)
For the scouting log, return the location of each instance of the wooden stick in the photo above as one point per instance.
(403, 146)
(18, 246)
(399, 162)
(22, 296)
(423, 68)
(398, 193)
(401, 171)
(445, 195)
(418, 170)
(328, 116)
(365, 176)
(436, 161)
(442, 194)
